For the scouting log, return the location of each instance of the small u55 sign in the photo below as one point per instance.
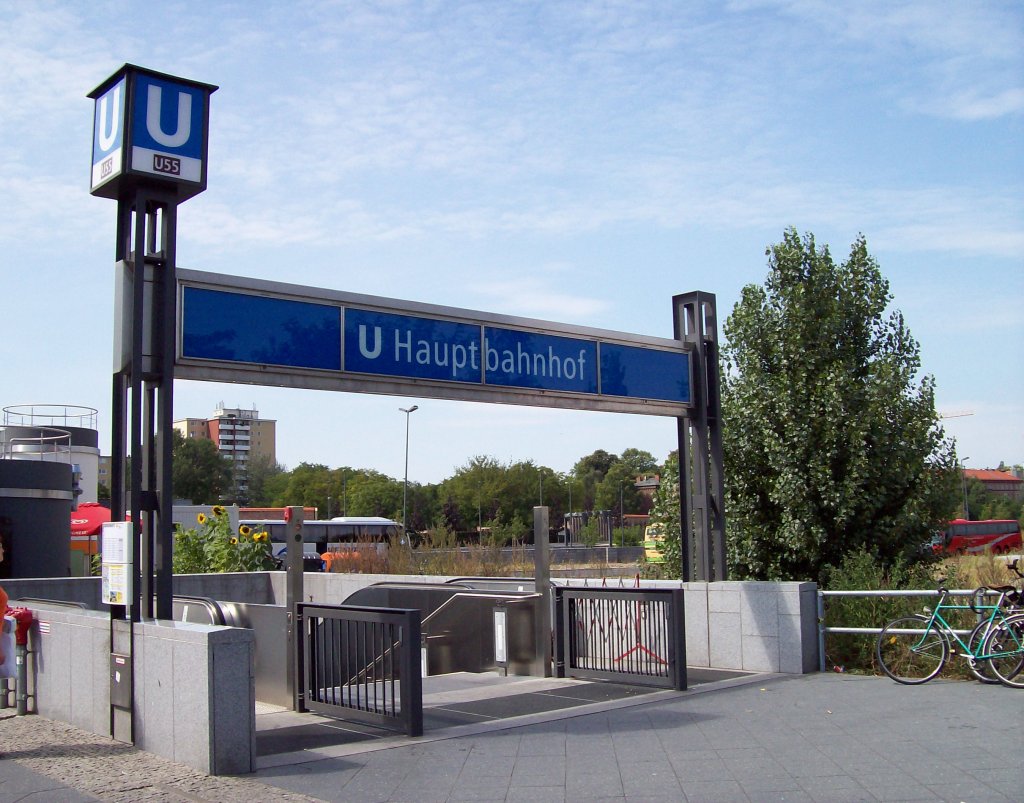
(149, 129)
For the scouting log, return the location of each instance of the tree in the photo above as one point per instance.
(619, 481)
(831, 443)
(665, 515)
(590, 471)
(267, 478)
(198, 471)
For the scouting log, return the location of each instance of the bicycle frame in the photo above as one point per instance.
(937, 621)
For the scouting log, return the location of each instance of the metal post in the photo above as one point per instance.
(542, 585)
(293, 596)
(21, 693)
(701, 497)
(405, 487)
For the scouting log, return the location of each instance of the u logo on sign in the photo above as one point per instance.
(109, 127)
(154, 100)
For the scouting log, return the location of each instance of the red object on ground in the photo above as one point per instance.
(23, 616)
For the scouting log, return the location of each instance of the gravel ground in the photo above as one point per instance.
(112, 771)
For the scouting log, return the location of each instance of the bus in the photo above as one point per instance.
(339, 530)
(963, 537)
(653, 538)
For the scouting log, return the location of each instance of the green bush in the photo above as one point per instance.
(590, 533)
(861, 571)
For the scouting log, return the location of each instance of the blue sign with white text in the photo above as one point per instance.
(245, 327)
(168, 117)
(405, 345)
(547, 362)
(108, 134)
(167, 128)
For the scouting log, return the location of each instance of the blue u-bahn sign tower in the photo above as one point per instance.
(149, 153)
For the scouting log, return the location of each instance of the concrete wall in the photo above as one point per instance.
(194, 685)
(750, 626)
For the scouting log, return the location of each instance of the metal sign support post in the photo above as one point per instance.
(144, 363)
(149, 147)
(701, 501)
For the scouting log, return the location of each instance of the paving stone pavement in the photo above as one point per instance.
(822, 737)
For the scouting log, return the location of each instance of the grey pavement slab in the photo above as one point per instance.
(825, 737)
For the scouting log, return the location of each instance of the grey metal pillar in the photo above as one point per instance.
(294, 591)
(701, 496)
(542, 584)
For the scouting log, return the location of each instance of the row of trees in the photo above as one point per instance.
(832, 443)
(483, 492)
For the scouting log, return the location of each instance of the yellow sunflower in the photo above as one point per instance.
(201, 518)
(245, 530)
(234, 542)
(218, 510)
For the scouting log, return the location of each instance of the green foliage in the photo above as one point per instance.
(590, 533)
(831, 443)
(619, 482)
(213, 547)
(199, 472)
(861, 570)
(266, 478)
(502, 533)
(627, 536)
(985, 504)
(665, 514)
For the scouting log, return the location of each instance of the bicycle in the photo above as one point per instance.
(914, 649)
(1004, 650)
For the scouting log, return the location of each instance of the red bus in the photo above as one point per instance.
(961, 537)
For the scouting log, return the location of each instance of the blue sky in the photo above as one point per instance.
(569, 161)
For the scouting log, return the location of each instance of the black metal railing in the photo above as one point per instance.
(363, 664)
(626, 635)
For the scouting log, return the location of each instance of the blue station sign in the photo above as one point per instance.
(272, 333)
(149, 128)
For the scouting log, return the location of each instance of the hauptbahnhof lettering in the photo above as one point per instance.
(270, 327)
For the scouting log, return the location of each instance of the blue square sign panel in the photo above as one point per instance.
(239, 327)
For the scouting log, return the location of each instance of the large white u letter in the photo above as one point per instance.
(181, 134)
(108, 131)
(374, 353)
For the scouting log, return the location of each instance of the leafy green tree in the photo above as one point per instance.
(264, 476)
(665, 514)
(590, 471)
(371, 493)
(831, 442)
(198, 471)
(621, 476)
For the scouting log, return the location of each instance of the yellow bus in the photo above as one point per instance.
(653, 536)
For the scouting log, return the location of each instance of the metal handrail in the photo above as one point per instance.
(58, 444)
(822, 629)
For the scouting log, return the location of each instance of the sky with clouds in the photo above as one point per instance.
(579, 162)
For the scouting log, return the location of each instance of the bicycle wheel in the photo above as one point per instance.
(1005, 645)
(975, 642)
(913, 656)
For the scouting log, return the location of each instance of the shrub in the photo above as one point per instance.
(860, 570)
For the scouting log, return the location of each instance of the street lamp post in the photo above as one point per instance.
(963, 483)
(405, 488)
(622, 523)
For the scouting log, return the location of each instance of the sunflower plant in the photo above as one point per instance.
(213, 546)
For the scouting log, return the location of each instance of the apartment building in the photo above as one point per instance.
(240, 435)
